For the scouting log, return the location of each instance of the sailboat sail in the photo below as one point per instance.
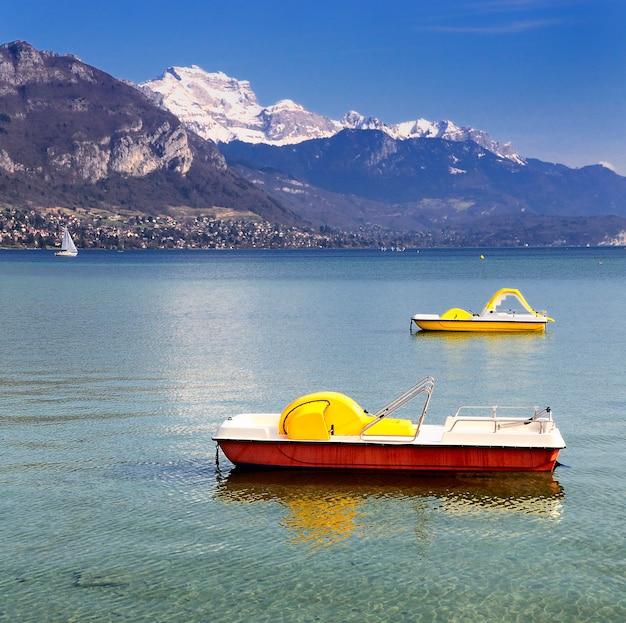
(68, 248)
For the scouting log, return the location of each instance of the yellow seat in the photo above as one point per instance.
(322, 414)
(392, 427)
(456, 313)
(305, 420)
(319, 415)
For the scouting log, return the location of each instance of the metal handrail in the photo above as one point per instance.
(425, 385)
(540, 414)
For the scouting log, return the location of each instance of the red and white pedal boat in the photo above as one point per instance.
(328, 430)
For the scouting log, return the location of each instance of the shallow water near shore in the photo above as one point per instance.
(118, 367)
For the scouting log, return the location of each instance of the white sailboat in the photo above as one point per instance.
(68, 248)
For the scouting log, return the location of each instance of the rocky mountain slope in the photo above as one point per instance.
(73, 136)
(422, 182)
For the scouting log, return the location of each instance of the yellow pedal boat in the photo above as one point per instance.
(506, 311)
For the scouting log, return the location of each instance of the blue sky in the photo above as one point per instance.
(547, 75)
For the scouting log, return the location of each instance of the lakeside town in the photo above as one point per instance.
(33, 229)
(29, 228)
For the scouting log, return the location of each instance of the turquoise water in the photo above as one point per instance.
(118, 367)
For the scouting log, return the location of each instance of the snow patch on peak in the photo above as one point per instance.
(449, 131)
(288, 105)
(356, 121)
(419, 128)
(351, 119)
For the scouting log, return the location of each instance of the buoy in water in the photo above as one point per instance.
(482, 257)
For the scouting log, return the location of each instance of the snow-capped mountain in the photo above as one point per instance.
(224, 109)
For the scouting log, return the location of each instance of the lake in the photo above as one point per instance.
(117, 369)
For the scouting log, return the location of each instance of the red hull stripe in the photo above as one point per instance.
(388, 457)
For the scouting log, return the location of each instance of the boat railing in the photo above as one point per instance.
(426, 385)
(543, 415)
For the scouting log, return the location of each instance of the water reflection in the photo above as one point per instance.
(484, 368)
(322, 509)
(459, 338)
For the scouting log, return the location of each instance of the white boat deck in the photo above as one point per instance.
(479, 431)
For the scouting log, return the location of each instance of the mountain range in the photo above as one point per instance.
(360, 172)
(224, 109)
(193, 142)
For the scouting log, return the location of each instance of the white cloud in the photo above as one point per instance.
(499, 29)
(608, 165)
